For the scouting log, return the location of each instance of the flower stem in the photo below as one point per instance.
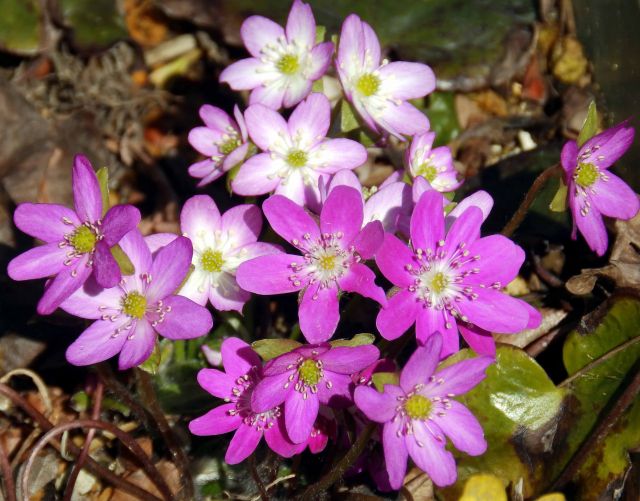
(341, 467)
(529, 198)
(256, 478)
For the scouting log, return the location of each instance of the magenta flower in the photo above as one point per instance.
(389, 203)
(285, 63)
(77, 242)
(433, 164)
(330, 262)
(130, 315)
(220, 245)
(306, 377)
(380, 91)
(593, 191)
(297, 153)
(325, 428)
(420, 412)
(451, 282)
(223, 141)
(243, 371)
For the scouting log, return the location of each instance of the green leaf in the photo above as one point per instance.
(590, 127)
(19, 26)
(357, 340)
(94, 23)
(381, 378)
(483, 487)
(442, 115)
(348, 120)
(231, 175)
(125, 264)
(272, 348)
(321, 31)
(517, 405)
(318, 86)
(103, 180)
(152, 363)
(559, 202)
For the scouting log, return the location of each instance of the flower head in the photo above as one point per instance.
(306, 377)
(331, 259)
(450, 280)
(130, 315)
(223, 141)
(243, 371)
(420, 412)
(285, 62)
(380, 90)
(433, 164)
(77, 242)
(220, 244)
(297, 153)
(593, 190)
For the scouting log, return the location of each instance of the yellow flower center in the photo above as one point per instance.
(586, 175)
(288, 64)
(417, 407)
(439, 282)
(297, 158)
(368, 84)
(327, 263)
(212, 261)
(134, 304)
(83, 239)
(309, 372)
(428, 171)
(229, 145)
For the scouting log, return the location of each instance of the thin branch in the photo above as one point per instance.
(180, 459)
(529, 198)
(257, 479)
(599, 432)
(95, 415)
(341, 467)
(148, 467)
(7, 475)
(92, 466)
(602, 358)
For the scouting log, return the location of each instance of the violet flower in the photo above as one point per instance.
(330, 262)
(285, 63)
(130, 315)
(223, 141)
(306, 377)
(220, 245)
(77, 242)
(593, 190)
(450, 283)
(420, 412)
(433, 164)
(243, 370)
(297, 153)
(380, 91)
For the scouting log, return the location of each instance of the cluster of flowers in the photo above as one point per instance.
(447, 279)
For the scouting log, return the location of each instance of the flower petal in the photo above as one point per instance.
(270, 274)
(392, 258)
(311, 119)
(432, 320)
(422, 363)
(270, 94)
(97, 343)
(361, 279)
(320, 60)
(402, 119)
(270, 392)
(244, 442)
(290, 221)
(297, 89)
(427, 222)
(243, 223)
(479, 340)
(462, 428)
(349, 359)
(464, 230)
(266, 127)
(216, 422)
(86, 190)
(342, 213)
(369, 240)
(299, 415)
(216, 382)
(215, 118)
(238, 357)
(226, 295)
(92, 301)
(118, 221)
(105, 267)
(430, 455)
(66, 282)
(245, 74)
(569, 157)
(351, 48)
(480, 199)
(400, 314)
(39, 262)
(257, 176)
(318, 313)
(139, 345)
(339, 395)
(199, 214)
(614, 198)
(404, 80)
(279, 442)
(45, 221)
(137, 251)
(495, 311)
(591, 226)
(379, 407)
(205, 141)
(388, 205)
(500, 260)
(458, 378)
(301, 25)
(395, 453)
(186, 320)
(333, 155)
(257, 32)
(169, 268)
(611, 145)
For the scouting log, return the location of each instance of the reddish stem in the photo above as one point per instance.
(7, 475)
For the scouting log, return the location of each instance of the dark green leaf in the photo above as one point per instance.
(381, 378)
(125, 264)
(590, 127)
(103, 180)
(348, 120)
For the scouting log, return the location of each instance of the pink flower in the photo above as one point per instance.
(220, 245)
(433, 164)
(77, 242)
(297, 153)
(222, 140)
(330, 262)
(131, 315)
(389, 203)
(306, 377)
(593, 191)
(420, 412)
(285, 63)
(243, 371)
(325, 428)
(450, 281)
(380, 91)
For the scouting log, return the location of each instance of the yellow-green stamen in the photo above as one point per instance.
(134, 304)
(327, 263)
(212, 261)
(297, 158)
(288, 64)
(439, 283)
(428, 171)
(309, 372)
(586, 175)
(417, 407)
(368, 84)
(83, 239)
(229, 145)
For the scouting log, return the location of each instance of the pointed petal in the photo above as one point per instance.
(45, 221)
(379, 407)
(495, 311)
(464, 231)
(266, 127)
(244, 442)
(614, 198)
(186, 320)
(39, 262)
(422, 363)
(612, 144)
(170, 267)
(479, 340)
(279, 442)
(257, 32)
(299, 415)
(289, 220)
(270, 274)
(430, 455)
(400, 314)
(301, 25)
(238, 358)
(86, 190)
(360, 279)
(311, 119)
(138, 346)
(404, 80)
(395, 453)
(216, 382)
(244, 74)
(403, 119)
(318, 313)
(462, 428)
(66, 282)
(458, 378)
(216, 422)
(97, 343)
(427, 222)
